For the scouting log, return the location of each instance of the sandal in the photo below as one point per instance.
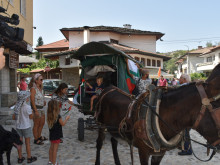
(20, 160)
(31, 159)
(42, 138)
(38, 142)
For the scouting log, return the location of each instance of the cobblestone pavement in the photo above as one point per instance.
(74, 152)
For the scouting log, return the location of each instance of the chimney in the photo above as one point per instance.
(86, 35)
(199, 47)
(128, 26)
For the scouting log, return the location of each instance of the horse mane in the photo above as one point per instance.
(215, 72)
(176, 89)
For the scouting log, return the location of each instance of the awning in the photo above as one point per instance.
(154, 71)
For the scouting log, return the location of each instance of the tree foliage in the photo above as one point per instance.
(209, 44)
(198, 76)
(40, 42)
(40, 65)
(170, 66)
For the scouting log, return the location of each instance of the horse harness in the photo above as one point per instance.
(206, 104)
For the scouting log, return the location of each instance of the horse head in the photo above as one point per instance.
(209, 125)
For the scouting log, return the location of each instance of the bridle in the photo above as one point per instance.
(206, 104)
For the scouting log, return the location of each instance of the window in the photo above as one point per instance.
(143, 61)
(148, 62)
(23, 7)
(213, 58)
(158, 63)
(153, 62)
(137, 58)
(67, 60)
(209, 59)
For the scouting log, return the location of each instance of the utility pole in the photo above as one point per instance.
(187, 60)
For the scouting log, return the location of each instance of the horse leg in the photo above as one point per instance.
(115, 151)
(155, 160)
(144, 156)
(99, 143)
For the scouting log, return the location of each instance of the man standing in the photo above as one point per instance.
(163, 82)
(22, 85)
(184, 80)
(2, 58)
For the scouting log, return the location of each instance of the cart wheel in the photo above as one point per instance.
(80, 129)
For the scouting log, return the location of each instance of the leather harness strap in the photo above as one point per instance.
(207, 105)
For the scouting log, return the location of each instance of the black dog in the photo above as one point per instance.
(7, 141)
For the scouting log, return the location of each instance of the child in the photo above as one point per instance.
(55, 124)
(22, 115)
(98, 86)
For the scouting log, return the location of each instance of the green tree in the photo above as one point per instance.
(40, 42)
(209, 44)
(170, 65)
(41, 65)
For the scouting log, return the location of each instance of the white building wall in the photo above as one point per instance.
(146, 43)
(73, 63)
(193, 60)
(75, 39)
(99, 36)
(217, 57)
(114, 36)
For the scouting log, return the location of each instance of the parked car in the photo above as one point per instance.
(50, 85)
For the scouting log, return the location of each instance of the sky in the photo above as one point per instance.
(186, 24)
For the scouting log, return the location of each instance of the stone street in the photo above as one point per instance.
(74, 152)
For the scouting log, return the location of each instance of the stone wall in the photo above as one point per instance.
(71, 76)
(8, 85)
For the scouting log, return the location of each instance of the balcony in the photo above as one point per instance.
(207, 66)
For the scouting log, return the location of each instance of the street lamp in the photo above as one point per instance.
(187, 60)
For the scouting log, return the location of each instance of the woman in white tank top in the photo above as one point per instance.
(37, 104)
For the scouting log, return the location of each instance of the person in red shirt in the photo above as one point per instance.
(22, 85)
(163, 82)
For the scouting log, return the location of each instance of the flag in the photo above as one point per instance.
(134, 71)
(159, 72)
(78, 94)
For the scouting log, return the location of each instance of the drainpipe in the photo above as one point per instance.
(86, 35)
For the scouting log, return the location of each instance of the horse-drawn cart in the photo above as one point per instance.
(99, 60)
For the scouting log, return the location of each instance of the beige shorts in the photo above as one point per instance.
(41, 113)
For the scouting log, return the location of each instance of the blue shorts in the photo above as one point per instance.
(26, 133)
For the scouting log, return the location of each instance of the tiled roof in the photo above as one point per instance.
(201, 51)
(124, 48)
(58, 44)
(26, 59)
(120, 30)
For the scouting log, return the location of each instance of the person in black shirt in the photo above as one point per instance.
(55, 124)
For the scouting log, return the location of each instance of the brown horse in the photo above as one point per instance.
(179, 108)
